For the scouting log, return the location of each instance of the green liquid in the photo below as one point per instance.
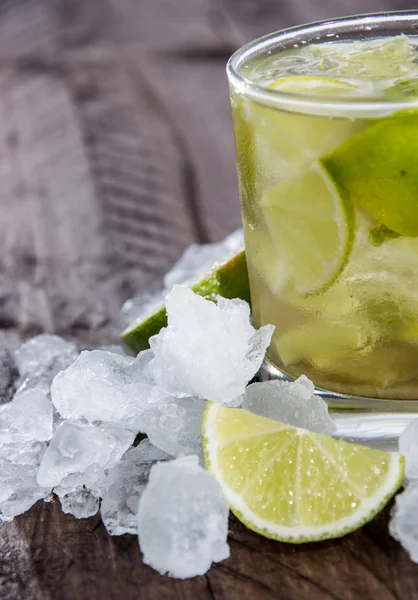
(350, 325)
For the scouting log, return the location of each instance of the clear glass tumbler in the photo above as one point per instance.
(326, 127)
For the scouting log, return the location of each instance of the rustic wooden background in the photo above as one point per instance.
(116, 152)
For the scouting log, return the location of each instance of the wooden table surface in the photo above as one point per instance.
(116, 152)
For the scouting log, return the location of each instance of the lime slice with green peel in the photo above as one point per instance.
(291, 484)
(378, 169)
(228, 279)
(312, 226)
(315, 84)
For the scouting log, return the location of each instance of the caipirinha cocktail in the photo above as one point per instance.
(330, 211)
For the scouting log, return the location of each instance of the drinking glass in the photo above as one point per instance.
(332, 265)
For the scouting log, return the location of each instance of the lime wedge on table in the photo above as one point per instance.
(228, 279)
(378, 168)
(291, 484)
(312, 226)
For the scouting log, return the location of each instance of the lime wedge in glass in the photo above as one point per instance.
(378, 169)
(312, 226)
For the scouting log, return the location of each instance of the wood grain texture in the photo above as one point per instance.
(92, 196)
(254, 19)
(165, 26)
(116, 151)
(27, 27)
(201, 116)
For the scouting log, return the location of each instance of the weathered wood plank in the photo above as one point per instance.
(166, 26)
(76, 558)
(341, 569)
(18, 577)
(218, 27)
(67, 559)
(136, 166)
(195, 96)
(26, 27)
(187, 75)
(247, 20)
(51, 219)
(78, 237)
(45, 27)
(202, 101)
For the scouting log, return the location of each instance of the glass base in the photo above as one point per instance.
(369, 421)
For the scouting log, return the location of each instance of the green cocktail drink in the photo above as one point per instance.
(326, 127)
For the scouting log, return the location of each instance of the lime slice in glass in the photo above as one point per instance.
(291, 484)
(312, 227)
(378, 169)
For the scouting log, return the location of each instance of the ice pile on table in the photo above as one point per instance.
(196, 259)
(72, 425)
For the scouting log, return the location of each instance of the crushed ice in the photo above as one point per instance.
(71, 426)
(125, 484)
(182, 519)
(292, 403)
(104, 386)
(203, 338)
(41, 358)
(404, 525)
(196, 259)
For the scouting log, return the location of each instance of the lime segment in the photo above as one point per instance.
(291, 484)
(312, 227)
(378, 168)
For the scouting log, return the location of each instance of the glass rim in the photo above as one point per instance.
(311, 103)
